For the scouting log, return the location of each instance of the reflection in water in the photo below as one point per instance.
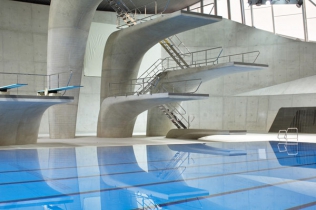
(195, 176)
(23, 186)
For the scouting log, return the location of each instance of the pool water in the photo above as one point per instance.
(253, 175)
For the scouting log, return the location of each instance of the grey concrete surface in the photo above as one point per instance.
(199, 133)
(68, 28)
(125, 49)
(157, 123)
(118, 114)
(21, 117)
(289, 60)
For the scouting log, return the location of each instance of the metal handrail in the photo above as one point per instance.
(48, 79)
(164, 63)
(203, 7)
(177, 46)
(213, 60)
(144, 19)
(144, 84)
(141, 83)
(179, 81)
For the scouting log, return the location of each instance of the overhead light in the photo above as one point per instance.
(299, 3)
(259, 3)
(268, 2)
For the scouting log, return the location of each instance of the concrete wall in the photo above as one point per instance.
(23, 49)
(288, 60)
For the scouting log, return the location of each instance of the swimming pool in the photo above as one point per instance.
(253, 175)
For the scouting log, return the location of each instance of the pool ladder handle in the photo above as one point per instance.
(286, 143)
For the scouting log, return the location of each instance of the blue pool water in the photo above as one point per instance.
(195, 176)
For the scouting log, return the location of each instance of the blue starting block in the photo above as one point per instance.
(56, 90)
(12, 86)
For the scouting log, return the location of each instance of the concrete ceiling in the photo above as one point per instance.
(173, 5)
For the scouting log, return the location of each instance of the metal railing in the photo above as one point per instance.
(152, 85)
(140, 17)
(180, 86)
(202, 58)
(284, 141)
(198, 9)
(193, 59)
(35, 82)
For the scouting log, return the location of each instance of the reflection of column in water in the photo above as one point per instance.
(121, 161)
(35, 189)
(64, 159)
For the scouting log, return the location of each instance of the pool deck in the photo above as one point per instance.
(91, 141)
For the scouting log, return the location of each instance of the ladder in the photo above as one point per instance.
(171, 115)
(174, 53)
(286, 144)
(173, 165)
(122, 13)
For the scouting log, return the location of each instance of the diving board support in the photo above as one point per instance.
(55, 91)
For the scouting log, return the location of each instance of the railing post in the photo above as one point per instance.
(155, 7)
(145, 11)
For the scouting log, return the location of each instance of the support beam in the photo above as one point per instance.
(68, 29)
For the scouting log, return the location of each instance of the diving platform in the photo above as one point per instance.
(118, 114)
(21, 117)
(56, 90)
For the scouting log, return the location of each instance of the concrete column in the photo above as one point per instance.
(68, 29)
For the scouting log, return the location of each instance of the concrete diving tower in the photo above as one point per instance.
(158, 124)
(21, 117)
(124, 49)
(123, 54)
(118, 114)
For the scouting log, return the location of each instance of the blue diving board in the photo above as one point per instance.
(12, 86)
(56, 90)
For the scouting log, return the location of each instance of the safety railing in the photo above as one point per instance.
(181, 86)
(288, 141)
(35, 81)
(144, 13)
(152, 85)
(179, 112)
(178, 44)
(210, 7)
(202, 58)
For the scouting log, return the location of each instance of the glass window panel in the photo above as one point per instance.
(311, 23)
(288, 21)
(247, 13)
(263, 17)
(310, 9)
(235, 10)
(209, 7)
(222, 8)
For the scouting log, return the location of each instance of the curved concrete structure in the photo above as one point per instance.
(21, 117)
(69, 24)
(118, 114)
(123, 54)
(158, 124)
(125, 49)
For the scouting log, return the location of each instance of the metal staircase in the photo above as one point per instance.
(122, 12)
(174, 53)
(174, 165)
(172, 116)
